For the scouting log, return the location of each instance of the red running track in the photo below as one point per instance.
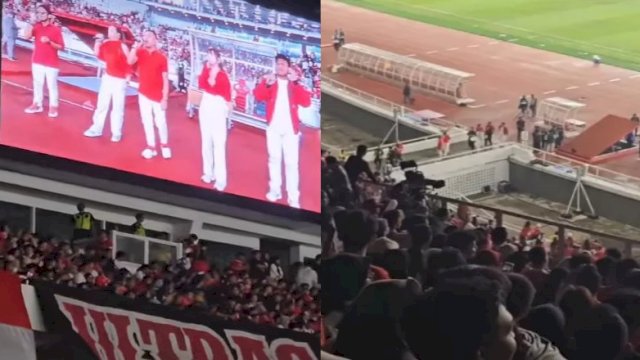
(63, 137)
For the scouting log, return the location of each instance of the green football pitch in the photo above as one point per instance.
(580, 28)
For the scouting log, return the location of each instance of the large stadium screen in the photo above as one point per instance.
(223, 95)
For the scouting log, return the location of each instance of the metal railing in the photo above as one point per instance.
(379, 102)
(630, 247)
(593, 171)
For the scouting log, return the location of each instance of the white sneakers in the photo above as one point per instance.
(166, 152)
(274, 196)
(93, 133)
(150, 153)
(207, 179)
(35, 109)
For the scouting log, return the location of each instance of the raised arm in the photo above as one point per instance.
(133, 54)
(262, 92)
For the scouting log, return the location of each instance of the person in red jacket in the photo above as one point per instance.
(215, 108)
(284, 94)
(47, 42)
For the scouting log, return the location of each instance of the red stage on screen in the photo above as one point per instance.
(63, 137)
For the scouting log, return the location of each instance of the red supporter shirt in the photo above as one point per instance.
(377, 273)
(151, 66)
(43, 53)
(113, 55)
(222, 86)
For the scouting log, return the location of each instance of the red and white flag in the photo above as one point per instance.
(17, 340)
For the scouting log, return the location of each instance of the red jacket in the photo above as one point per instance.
(298, 96)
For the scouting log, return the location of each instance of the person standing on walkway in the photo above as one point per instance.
(113, 85)
(520, 126)
(503, 132)
(533, 106)
(406, 93)
(472, 138)
(480, 135)
(9, 33)
(47, 42)
(488, 134)
(444, 144)
(523, 105)
(214, 117)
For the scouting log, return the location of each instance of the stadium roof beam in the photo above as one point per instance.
(423, 77)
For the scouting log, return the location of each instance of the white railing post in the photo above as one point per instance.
(146, 251)
(114, 240)
(33, 223)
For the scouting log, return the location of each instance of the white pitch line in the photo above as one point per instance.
(594, 83)
(431, 52)
(634, 76)
(549, 92)
(61, 100)
(571, 88)
(476, 106)
(453, 49)
(614, 80)
(410, 55)
(473, 46)
(501, 101)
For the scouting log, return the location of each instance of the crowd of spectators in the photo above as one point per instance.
(241, 10)
(174, 41)
(256, 289)
(404, 278)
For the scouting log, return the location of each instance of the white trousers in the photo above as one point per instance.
(213, 132)
(152, 114)
(444, 151)
(40, 74)
(112, 90)
(279, 142)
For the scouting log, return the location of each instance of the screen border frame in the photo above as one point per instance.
(80, 173)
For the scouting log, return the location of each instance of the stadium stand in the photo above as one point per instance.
(411, 278)
(255, 288)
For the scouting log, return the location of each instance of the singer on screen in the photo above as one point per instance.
(113, 85)
(283, 94)
(215, 108)
(47, 42)
(153, 92)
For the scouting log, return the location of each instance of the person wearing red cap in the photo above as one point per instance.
(215, 108)
(48, 41)
(113, 85)
(284, 95)
(153, 92)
